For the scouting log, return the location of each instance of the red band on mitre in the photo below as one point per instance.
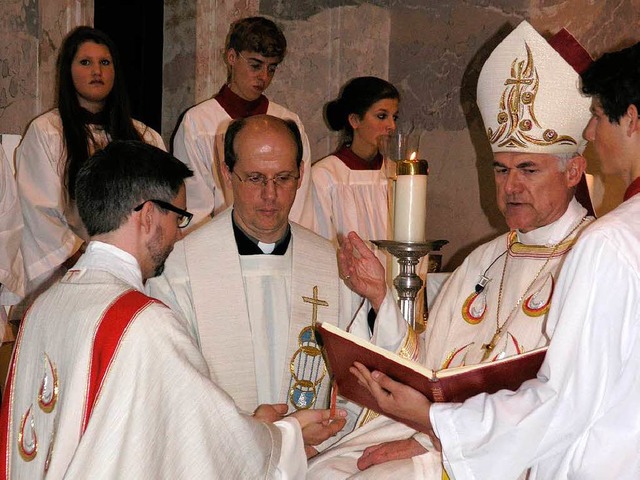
(570, 49)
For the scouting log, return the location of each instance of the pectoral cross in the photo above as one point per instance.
(315, 301)
(488, 347)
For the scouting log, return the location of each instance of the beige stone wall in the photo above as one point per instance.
(31, 32)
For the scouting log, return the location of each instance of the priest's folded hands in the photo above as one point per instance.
(397, 399)
(316, 425)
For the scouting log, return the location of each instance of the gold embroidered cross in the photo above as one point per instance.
(315, 301)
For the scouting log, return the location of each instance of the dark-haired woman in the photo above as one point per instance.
(92, 109)
(350, 186)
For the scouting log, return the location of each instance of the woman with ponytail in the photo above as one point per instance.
(350, 186)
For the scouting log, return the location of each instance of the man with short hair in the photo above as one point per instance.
(107, 382)
(252, 284)
(495, 304)
(255, 46)
(579, 418)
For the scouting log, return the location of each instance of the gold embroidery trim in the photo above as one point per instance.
(516, 117)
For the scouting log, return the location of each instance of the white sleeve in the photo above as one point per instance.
(302, 209)
(321, 189)
(197, 151)
(11, 265)
(47, 238)
(293, 460)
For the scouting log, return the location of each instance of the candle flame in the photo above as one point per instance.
(412, 156)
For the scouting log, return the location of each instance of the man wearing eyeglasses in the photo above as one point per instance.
(254, 48)
(251, 283)
(107, 382)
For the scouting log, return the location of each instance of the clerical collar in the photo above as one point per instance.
(554, 232)
(237, 107)
(90, 118)
(632, 189)
(354, 162)
(247, 245)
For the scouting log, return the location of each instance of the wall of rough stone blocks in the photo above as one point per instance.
(432, 50)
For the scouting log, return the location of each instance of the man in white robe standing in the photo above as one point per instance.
(252, 284)
(107, 382)
(255, 46)
(495, 304)
(579, 418)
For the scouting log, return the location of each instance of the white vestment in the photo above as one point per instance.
(11, 265)
(108, 383)
(579, 418)
(53, 230)
(258, 348)
(199, 143)
(461, 321)
(346, 200)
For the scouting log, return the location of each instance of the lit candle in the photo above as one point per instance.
(410, 204)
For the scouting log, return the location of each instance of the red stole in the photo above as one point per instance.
(109, 334)
(632, 189)
(354, 162)
(237, 107)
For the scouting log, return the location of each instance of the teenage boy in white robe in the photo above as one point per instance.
(251, 283)
(579, 418)
(254, 48)
(107, 382)
(536, 175)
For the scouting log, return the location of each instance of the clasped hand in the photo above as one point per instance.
(316, 425)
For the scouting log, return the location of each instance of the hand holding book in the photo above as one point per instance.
(397, 399)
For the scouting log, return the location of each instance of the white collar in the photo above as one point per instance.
(109, 258)
(554, 232)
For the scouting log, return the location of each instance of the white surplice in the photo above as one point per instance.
(155, 412)
(580, 417)
(11, 265)
(251, 317)
(346, 200)
(53, 230)
(199, 143)
(456, 331)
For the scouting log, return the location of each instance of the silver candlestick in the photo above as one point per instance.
(408, 283)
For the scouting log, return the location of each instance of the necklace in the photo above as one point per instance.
(488, 347)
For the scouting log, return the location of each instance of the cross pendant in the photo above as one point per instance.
(488, 347)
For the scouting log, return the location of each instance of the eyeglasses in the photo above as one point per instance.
(257, 65)
(285, 181)
(184, 217)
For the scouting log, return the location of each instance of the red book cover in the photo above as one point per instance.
(341, 349)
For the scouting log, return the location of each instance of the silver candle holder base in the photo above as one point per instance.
(408, 283)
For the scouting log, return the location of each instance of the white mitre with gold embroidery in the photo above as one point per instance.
(529, 93)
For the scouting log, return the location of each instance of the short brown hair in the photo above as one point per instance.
(257, 34)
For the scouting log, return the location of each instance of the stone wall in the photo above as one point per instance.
(31, 32)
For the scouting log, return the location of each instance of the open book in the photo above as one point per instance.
(341, 349)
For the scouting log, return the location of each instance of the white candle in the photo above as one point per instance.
(410, 204)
